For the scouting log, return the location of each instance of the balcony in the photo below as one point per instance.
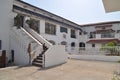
(110, 35)
(102, 36)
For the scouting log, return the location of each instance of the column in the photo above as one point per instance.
(42, 27)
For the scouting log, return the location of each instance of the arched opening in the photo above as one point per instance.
(82, 45)
(63, 43)
(73, 44)
(52, 42)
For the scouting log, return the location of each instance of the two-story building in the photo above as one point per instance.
(98, 34)
(31, 35)
(25, 28)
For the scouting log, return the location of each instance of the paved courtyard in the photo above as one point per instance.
(72, 70)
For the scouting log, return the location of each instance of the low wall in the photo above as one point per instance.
(55, 55)
(95, 57)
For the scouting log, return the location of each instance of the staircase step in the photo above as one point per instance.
(40, 55)
(37, 64)
(38, 61)
(40, 58)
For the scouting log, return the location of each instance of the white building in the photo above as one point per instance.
(46, 28)
(98, 34)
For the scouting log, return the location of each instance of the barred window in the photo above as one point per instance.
(50, 28)
(73, 35)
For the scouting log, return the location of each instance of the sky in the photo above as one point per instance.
(78, 11)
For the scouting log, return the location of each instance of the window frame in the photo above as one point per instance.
(50, 28)
(73, 33)
(72, 44)
(63, 29)
(93, 45)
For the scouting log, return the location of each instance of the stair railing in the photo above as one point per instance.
(39, 37)
(23, 42)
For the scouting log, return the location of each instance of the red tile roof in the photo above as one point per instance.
(103, 41)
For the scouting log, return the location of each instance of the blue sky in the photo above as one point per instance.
(78, 11)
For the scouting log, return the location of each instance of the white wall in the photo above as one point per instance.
(55, 55)
(58, 38)
(95, 57)
(6, 21)
(19, 44)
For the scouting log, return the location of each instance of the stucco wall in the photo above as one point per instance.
(55, 55)
(95, 57)
(6, 21)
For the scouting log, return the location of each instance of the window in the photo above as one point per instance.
(73, 34)
(50, 28)
(63, 29)
(63, 43)
(33, 24)
(0, 44)
(93, 45)
(103, 28)
(73, 44)
(107, 35)
(81, 44)
(18, 20)
(80, 33)
(118, 31)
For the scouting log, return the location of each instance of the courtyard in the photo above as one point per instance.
(72, 70)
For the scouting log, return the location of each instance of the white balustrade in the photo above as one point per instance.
(39, 37)
(95, 51)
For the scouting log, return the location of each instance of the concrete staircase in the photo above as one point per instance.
(39, 60)
(41, 53)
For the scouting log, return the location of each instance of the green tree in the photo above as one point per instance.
(33, 25)
(111, 47)
(18, 21)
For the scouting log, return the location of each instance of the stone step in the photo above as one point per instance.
(40, 58)
(37, 64)
(38, 61)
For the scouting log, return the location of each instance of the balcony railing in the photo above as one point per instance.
(107, 35)
(111, 35)
(92, 36)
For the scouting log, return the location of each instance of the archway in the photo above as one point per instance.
(63, 43)
(73, 44)
(82, 46)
